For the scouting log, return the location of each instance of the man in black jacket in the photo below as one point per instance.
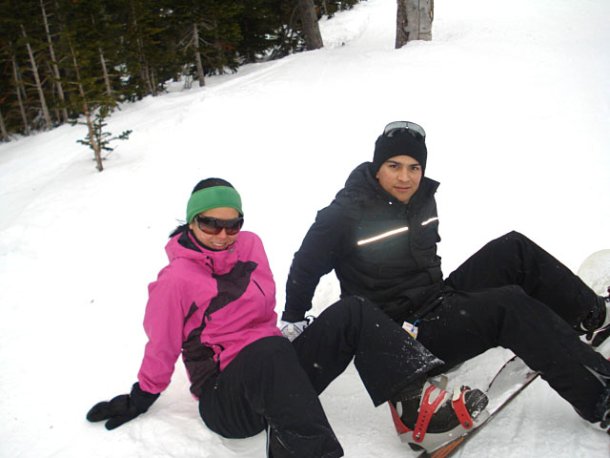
(380, 236)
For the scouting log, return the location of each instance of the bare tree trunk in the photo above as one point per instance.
(325, 8)
(200, 74)
(311, 30)
(97, 149)
(413, 21)
(54, 66)
(19, 90)
(145, 69)
(187, 77)
(3, 130)
(43, 102)
(153, 80)
(106, 76)
(402, 24)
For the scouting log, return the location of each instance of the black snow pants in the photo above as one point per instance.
(275, 384)
(515, 295)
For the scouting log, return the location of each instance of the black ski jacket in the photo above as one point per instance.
(379, 248)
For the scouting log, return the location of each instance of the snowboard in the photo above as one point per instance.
(595, 271)
(515, 376)
(512, 378)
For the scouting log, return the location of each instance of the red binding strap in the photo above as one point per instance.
(461, 411)
(401, 428)
(426, 410)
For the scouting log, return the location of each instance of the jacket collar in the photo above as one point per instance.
(362, 185)
(185, 246)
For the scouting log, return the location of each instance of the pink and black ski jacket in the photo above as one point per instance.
(207, 305)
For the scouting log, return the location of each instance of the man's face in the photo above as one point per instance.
(400, 176)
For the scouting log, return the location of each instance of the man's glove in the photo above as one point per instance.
(293, 330)
(123, 408)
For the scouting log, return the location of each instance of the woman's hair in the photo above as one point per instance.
(210, 183)
(203, 184)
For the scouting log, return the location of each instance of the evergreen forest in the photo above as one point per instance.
(62, 60)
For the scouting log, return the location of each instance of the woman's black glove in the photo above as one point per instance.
(123, 408)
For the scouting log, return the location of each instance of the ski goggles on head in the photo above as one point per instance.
(415, 130)
(213, 226)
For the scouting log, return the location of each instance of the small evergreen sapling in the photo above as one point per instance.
(97, 138)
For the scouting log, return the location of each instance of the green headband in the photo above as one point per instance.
(214, 197)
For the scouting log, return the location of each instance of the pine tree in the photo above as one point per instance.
(54, 63)
(23, 69)
(261, 23)
(98, 138)
(30, 37)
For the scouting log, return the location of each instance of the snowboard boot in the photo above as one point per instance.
(597, 325)
(429, 417)
(602, 408)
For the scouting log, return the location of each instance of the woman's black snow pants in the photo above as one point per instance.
(275, 384)
(515, 295)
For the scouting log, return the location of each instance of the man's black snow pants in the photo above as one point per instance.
(275, 384)
(515, 295)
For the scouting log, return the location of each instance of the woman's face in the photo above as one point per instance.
(222, 240)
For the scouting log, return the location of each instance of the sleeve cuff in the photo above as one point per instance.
(292, 317)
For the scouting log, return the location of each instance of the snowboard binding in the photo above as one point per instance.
(440, 416)
(597, 337)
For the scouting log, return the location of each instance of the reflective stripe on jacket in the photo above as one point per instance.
(380, 248)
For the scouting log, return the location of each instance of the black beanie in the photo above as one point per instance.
(398, 144)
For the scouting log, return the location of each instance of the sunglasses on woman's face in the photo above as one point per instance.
(213, 226)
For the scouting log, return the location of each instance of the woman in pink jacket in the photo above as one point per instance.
(214, 305)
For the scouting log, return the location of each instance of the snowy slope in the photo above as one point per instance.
(515, 97)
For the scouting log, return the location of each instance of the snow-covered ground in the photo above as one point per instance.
(515, 97)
